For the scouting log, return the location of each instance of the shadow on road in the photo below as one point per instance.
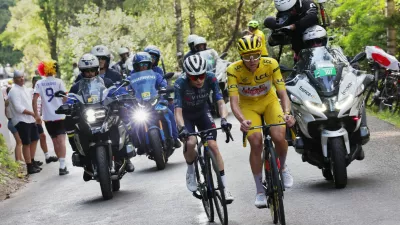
(118, 197)
(168, 167)
(352, 183)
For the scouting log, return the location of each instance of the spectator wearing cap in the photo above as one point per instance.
(24, 120)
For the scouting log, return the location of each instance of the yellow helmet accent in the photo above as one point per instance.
(248, 43)
(50, 67)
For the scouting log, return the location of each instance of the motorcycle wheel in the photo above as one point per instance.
(158, 150)
(338, 161)
(104, 174)
(115, 185)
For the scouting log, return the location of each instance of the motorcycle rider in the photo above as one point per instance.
(209, 54)
(302, 15)
(192, 91)
(253, 28)
(104, 57)
(190, 43)
(143, 61)
(316, 36)
(249, 81)
(89, 66)
(121, 66)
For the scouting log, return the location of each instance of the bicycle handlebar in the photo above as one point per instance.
(258, 127)
(204, 133)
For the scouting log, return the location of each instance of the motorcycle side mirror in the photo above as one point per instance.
(223, 55)
(285, 69)
(167, 90)
(360, 56)
(331, 38)
(169, 75)
(270, 23)
(60, 94)
(125, 83)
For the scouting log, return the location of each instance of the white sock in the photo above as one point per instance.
(190, 168)
(47, 155)
(223, 178)
(258, 181)
(62, 163)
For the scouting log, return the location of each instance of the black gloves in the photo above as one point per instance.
(183, 133)
(225, 125)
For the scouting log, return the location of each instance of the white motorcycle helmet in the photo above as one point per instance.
(123, 50)
(88, 61)
(101, 51)
(191, 38)
(315, 36)
(284, 5)
(198, 41)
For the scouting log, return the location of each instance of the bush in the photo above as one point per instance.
(8, 166)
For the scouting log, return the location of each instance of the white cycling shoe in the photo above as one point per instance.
(261, 200)
(191, 183)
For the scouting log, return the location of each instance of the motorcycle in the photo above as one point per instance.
(100, 136)
(152, 129)
(219, 69)
(327, 97)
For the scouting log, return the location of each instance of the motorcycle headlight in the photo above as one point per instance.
(140, 115)
(91, 115)
(315, 106)
(344, 102)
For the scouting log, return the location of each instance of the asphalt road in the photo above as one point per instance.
(149, 197)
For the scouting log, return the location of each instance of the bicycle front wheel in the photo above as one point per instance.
(205, 191)
(218, 189)
(277, 187)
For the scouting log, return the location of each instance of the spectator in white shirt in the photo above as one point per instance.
(46, 88)
(24, 119)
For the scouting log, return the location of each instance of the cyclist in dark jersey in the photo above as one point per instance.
(191, 110)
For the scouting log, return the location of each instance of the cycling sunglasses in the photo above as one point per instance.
(197, 77)
(251, 56)
(90, 70)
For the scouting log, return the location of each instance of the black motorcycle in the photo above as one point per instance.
(100, 135)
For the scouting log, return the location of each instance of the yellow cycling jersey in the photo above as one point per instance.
(254, 86)
(259, 33)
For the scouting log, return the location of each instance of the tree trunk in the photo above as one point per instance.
(236, 30)
(179, 32)
(192, 18)
(391, 31)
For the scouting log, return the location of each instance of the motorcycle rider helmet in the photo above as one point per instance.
(248, 43)
(141, 59)
(253, 24)
(101, 51)
(123, 50)
(190, 41)
(200, 41)
(284, 5)
(88, 62)
(315, 36)
(154, 52)
(195, 65)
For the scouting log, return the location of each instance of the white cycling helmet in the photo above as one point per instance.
(199, 40)
(123, 50)
(191, 38)
(195, 65)
(315, 36)
(284, 5)
(100, 50)
(88, 61)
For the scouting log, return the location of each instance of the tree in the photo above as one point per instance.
(391, 30)
(236, 30)
(192, 17)
(179, 31)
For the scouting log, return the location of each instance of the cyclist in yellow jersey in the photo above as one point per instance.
(251, 97)
(253, 28)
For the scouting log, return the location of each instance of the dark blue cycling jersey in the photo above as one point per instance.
(192, 99)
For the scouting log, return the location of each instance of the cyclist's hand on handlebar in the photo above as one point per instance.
(290, 120)
(245, 125)
(225, 125)
(183, 134)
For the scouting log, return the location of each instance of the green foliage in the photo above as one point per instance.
(8, 55)
(6, 162)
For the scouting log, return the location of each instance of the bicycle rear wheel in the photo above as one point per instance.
(277, 188)
(218, 189)
(205, 192)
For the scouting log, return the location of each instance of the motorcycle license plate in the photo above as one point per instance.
(145, 95)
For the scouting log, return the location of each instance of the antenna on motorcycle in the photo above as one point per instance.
(223, 55)
(124, 83)
(360, 56)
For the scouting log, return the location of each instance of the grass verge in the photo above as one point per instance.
(385, 115)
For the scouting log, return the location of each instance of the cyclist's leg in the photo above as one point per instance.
(190, 155)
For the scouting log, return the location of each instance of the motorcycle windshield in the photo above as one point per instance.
(144, 85)
(323, 65)
(92, 90)
(206, 54)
